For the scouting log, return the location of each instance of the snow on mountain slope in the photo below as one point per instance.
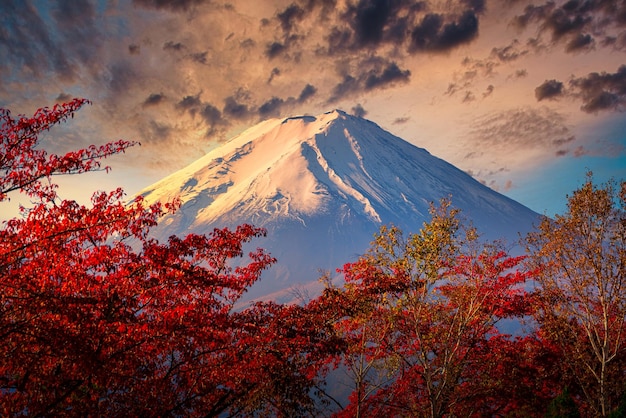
(322, 186)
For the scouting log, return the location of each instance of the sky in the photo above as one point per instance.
(526, 96)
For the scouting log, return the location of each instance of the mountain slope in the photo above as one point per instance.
(322, 186)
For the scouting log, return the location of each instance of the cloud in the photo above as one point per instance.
(199, 57)
(274, 49)
(434, 35)
(389, 75)
(289, 16)
(574, 21)
(190, 104)
(170, 5)
(549, 89)
(173, 46)
(234, 109)
(153, 100)
(400, 121)
(580, 42)
(598, 91)
(372, 73)
(27, 44)
(488, 91)
(271, 107)
(307, 92)
(521, 130)
(358, 111)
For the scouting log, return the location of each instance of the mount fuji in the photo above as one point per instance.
(322, 186)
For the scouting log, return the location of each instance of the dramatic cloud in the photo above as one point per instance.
(373, 73)
(271, 107)
(550, 89)
(180, 75)
(601, 91)
(574, 21)
(598, 91)
(234, 109)
(190, 104)
(307, 92)
(434, 35)
(580, 42)
(171, 5)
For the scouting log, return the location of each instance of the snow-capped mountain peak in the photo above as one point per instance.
(322, 186)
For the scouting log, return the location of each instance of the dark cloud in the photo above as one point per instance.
(562, 22)
(369, 19)
(289, 16)
(580, 42)
(574, 21)
(601, 91)
(274, 73)
(374, 73)
(349, 85)
(532, 14)
(190, 104)
(307, 92)
(154, 99)
(211, 115)
(77, 20)
(271, 107)
(171, 5)
(390, 74)
(134, 49)
(549, 89)
(26, 43)
(234, 109)
(173, 46)
(358, 111)
(434, 35)
(199, 57)
(508, 53)
(408, 25)
(274, 49)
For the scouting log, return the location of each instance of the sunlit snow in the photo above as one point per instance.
(322, 186)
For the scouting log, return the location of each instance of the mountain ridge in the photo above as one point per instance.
(322, 186)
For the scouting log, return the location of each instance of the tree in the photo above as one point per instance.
(563, 406)
(421, 313)
(580, 300)
(97, 318)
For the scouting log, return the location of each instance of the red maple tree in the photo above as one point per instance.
(420, 321)
(97, 318)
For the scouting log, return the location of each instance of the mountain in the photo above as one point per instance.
(322, 186)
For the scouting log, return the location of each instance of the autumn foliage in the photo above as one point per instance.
(99, 319)
(96, 318)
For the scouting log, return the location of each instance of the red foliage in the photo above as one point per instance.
(420, 345)
(96, 318)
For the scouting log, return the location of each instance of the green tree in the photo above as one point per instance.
(580, 298)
